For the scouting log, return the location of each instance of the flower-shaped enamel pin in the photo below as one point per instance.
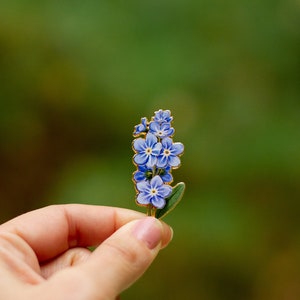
(156, 155)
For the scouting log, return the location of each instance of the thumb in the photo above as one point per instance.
(126, 255)
(120, 260)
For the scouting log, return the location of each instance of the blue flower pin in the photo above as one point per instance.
(156, 155)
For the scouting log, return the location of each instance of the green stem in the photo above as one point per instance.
(149, 210)
(154, 171)
(153, 211)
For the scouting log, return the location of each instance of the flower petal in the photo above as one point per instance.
(171, 131)
(143, 199)
(165, 190)
(151, 161)
(156, 181)
(139, 144)
(154, 126)
(158, 202)
(140, 159)
(167, 143)
(136, 130)
(163, 116)
(177, 148)
(156, 149)
(144, 121)
(139, 176)
(151, 139)
(143, 168)
(162, 161)
(142, 186)
(174, 161)
(167, 177)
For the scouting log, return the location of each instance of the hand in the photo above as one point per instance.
(44, 255)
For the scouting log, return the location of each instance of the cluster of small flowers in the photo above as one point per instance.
(155, 156)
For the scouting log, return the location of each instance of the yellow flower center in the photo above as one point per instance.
(167, 152)
(148, 151)
(153, 192)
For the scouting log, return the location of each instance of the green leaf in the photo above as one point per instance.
(172, 200)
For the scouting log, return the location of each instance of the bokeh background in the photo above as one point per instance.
(76, 76)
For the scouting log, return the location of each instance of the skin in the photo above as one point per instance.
(44, 254)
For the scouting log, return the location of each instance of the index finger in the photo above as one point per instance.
(52, 230)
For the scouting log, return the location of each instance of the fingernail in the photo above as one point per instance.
(149, 231)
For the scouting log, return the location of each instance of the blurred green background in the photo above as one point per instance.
(76, 76)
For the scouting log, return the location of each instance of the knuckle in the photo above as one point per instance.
(127, 254)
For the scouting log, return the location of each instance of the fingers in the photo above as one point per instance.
(117, 263)
(70, 258)
(129, 242)
(52, 230)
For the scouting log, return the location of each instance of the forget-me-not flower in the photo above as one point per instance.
(162, 116)
(156, 155)
(141, 128)
(161, 130)
(169, 153)
(153, 192)
(147, 150)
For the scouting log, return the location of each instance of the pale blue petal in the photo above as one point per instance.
(156, 149)
(158, 202)
(167, 115)
(136, 130)
(174, 161)
(140, 159)
(142, 186)
(158, 115)
(165, 191)
(151, 161)
(161, 161)
(151, 139)
(177, 148)
(163, 116)
(143, 199)
(167, 143)
(139, 144)
(171, 131)
(144, 122)
(156, 181)
(167, 177)
(154, 126)
(165, 126)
